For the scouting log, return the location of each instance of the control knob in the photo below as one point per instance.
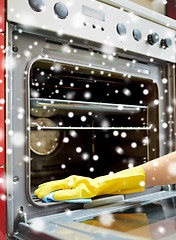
(36, 5)
(61, 10)
(153, 38)
(137, 34)
(166, 43)
(121, 29)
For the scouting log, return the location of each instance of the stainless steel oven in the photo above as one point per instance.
(90, 90)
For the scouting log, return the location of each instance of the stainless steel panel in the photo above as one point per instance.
(90, 28)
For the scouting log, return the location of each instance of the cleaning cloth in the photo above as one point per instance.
(49, 198)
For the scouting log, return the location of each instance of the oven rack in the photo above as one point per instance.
(82, 105)
(69, 105)
(36, 126)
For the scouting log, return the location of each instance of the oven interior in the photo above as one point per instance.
(88, 122)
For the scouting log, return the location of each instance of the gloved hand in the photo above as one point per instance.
(74, 187)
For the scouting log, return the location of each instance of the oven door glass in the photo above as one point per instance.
(88, 122)
(142, 218)
(155, 220)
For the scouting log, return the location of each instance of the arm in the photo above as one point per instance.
(160, 171)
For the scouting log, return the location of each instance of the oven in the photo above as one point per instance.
(90, 89)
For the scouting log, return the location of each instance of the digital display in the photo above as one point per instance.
(90, 12)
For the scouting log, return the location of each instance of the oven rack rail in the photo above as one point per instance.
(36, 126)
(81, 105)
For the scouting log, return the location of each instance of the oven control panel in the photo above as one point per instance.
(114, 28)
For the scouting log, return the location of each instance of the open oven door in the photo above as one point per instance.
(151, 216)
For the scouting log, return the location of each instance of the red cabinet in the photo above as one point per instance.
(2, 204)
(2, 102)
(171, 9)
(2, 15)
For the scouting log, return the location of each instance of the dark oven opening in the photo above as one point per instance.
(88, 121)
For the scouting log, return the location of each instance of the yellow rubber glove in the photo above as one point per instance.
(74, 187)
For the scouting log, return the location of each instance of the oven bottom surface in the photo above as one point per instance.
(152, 216)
